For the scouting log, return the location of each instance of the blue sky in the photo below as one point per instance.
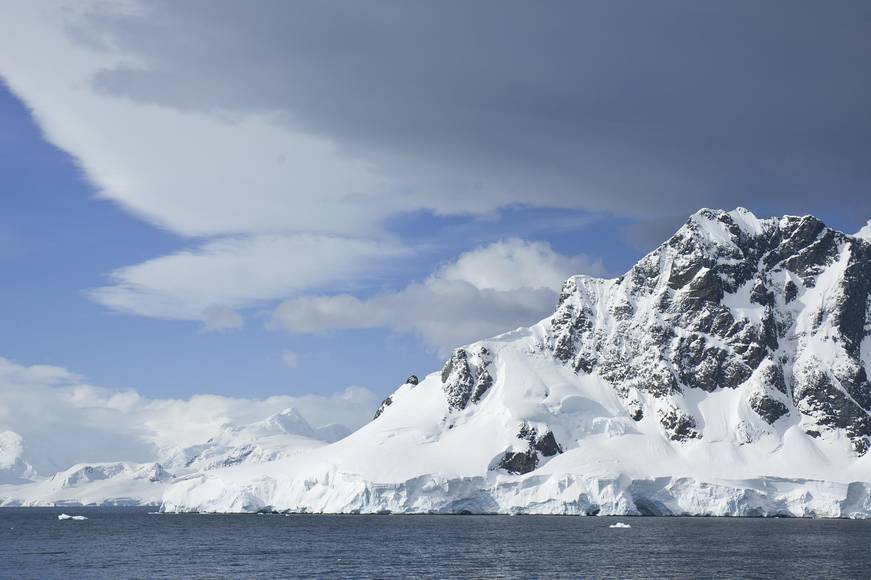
(192, 191)
(52, 257)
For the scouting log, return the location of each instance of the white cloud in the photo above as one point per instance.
(290, 359)
(220, 318)
(195, 174)
(513, 264)
(63, 420)
(484, 292)
(221, 275)
(283, 210)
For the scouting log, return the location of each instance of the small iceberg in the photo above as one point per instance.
(620, 526)
(69, 517)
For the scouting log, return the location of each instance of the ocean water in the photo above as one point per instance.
(131, 543)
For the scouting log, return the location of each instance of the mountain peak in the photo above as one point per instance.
(720, 374)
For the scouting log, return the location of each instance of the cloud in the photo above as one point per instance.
(220, 319)
(63, 420)
(208, 282)
(216, 118)
(194, 173)
(513, 264)
(230, 124)
(290, 359)
(605, 106)
(484, 292)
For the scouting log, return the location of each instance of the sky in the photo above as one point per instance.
(294, 198)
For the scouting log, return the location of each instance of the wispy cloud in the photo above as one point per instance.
(210, 281)
(486, 291)
(290, 359)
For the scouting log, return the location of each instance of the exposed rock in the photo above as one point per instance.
(716, 303)
(679, 425)
(790, 291)
(519, 461)
(768, 408)
(544, 444)
(465, 377)
(383, 406)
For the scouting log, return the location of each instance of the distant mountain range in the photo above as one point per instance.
(279, 436)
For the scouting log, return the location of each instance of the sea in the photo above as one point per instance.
(133, 543)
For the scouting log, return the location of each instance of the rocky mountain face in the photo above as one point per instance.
(724, 374)
(778, 308)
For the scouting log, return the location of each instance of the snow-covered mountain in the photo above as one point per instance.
(724, 374)
(119, 483)
(280, 436)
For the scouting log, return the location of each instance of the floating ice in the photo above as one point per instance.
(620, 525)
(69, 517)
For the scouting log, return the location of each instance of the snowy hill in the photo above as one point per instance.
(724, 374)
(120, 483)
(280, 436)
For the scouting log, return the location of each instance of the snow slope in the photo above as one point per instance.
(280, 436)
(118, 483)
(724, 374)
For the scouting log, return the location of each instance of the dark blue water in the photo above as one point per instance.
(130, 543)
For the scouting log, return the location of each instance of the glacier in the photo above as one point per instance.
(125, 483)
(723, 375)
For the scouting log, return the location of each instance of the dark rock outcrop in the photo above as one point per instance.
(717, 306)
(383, 406)
(465, 377)
(538, 445)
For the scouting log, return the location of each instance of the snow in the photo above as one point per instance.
(420, 456)
(710, 228)
(413, 460)
(741, 306)
(747, 221)
(280, 436)
(865, 232)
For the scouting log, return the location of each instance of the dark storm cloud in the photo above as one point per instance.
(637, 108)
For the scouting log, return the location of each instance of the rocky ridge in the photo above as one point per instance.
(723, 374)
(778, 308)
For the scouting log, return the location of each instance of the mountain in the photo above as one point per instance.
(724, 374)
(117, 483)
(280, 436)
